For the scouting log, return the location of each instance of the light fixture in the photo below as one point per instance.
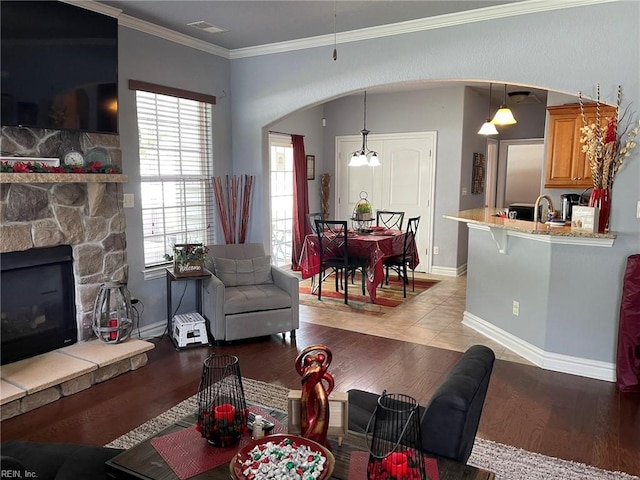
(364, 156)
(488, 128)
(504, 116)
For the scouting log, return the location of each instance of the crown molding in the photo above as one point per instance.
(525, 7)
(480, 15)
(171, 35)
(95, 7)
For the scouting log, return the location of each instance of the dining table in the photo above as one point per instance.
(374, 246)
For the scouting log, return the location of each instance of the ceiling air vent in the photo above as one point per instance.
(207, 27)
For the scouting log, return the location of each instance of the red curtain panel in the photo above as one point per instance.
(300, 199)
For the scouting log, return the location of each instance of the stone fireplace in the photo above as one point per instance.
(84, 211)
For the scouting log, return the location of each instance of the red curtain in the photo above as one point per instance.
(300, 199)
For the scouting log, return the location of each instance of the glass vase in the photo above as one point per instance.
(601, 198)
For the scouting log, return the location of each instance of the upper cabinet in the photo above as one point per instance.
(567, 165)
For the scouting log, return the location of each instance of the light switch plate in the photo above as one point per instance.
(127, 200)
(638, 210)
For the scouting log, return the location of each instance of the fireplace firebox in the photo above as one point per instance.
(37, 302)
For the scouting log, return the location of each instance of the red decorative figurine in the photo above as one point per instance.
(312, 364)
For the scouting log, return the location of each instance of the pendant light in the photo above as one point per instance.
(488, 128)
(504, 116)
(364, 156)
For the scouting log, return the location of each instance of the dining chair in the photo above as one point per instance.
(389, 219)
(333, 245)
(399, 263)
(312, 217)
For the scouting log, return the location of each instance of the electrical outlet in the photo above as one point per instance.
(464, 191)
(436, 250)
(516, 308)
(127, 200)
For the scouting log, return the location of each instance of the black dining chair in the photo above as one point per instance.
(312, 217)
(389, 219)
(400, 263)
(333, 245)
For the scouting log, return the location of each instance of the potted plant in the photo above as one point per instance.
(362, 210)
(188, 259)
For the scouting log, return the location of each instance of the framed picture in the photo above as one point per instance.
(311, 167)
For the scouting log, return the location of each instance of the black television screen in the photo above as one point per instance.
(59, 67)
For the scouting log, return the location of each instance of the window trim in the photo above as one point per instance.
(171, 91)
(156, 270)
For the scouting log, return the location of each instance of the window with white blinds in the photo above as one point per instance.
(176, 162)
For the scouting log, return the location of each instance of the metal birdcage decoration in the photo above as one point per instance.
(362, 217)
(113, 313)
(222, 409)
(395, 451)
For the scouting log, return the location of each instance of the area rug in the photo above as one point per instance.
(388, 296)
(508, 463)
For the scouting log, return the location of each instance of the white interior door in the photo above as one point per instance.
(404, 181)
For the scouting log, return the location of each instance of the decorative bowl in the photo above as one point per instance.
(236, 466)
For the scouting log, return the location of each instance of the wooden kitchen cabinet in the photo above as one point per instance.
(567, 166)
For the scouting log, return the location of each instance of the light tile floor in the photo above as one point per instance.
(432, 318)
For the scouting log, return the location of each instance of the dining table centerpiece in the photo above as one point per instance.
(607, 143)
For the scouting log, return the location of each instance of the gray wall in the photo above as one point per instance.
(307, 122)
(553, 50)
(151, 59)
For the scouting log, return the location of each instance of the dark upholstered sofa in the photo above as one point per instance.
(450, 419)
(55, 461)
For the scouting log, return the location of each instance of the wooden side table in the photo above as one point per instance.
(170, 278)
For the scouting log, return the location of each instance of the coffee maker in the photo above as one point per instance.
(568, 200)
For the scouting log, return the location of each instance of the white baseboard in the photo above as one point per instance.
(150, 331)
(449, 271)
(556, 362)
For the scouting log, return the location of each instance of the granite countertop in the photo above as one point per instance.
(487, 216)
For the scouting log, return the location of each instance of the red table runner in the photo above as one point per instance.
(359, 461)
(188, 453)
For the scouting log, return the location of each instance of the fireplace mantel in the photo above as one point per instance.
(63, 178)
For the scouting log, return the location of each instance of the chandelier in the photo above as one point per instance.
(364, 156)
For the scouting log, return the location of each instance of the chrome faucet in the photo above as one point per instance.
(537, 205)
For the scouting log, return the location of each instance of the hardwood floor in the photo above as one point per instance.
(551, 413)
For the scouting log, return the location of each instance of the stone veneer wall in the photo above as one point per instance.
(87, 216)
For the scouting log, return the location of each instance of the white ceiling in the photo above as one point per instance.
(253, 23)
(259, 23)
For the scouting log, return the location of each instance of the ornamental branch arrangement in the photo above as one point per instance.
(235, 223)
(607, 146)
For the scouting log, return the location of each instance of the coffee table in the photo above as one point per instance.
(144, 462)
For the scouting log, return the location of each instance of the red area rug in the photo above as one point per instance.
(388, 296)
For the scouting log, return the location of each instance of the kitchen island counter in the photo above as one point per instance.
(489, 217)
(536, 295)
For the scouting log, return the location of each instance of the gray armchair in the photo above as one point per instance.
(247, 296)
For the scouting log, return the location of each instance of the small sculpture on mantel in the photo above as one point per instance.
(312, 364)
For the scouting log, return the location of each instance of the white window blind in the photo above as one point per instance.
(176, 163)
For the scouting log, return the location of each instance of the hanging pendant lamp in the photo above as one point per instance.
(488, 128)
(504, 116)
(364, 156)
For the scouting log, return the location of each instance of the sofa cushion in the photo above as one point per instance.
(254, 298)
(250, 271)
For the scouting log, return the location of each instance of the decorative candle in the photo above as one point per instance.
(226, 411)
(396, 464)
(114, 334)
